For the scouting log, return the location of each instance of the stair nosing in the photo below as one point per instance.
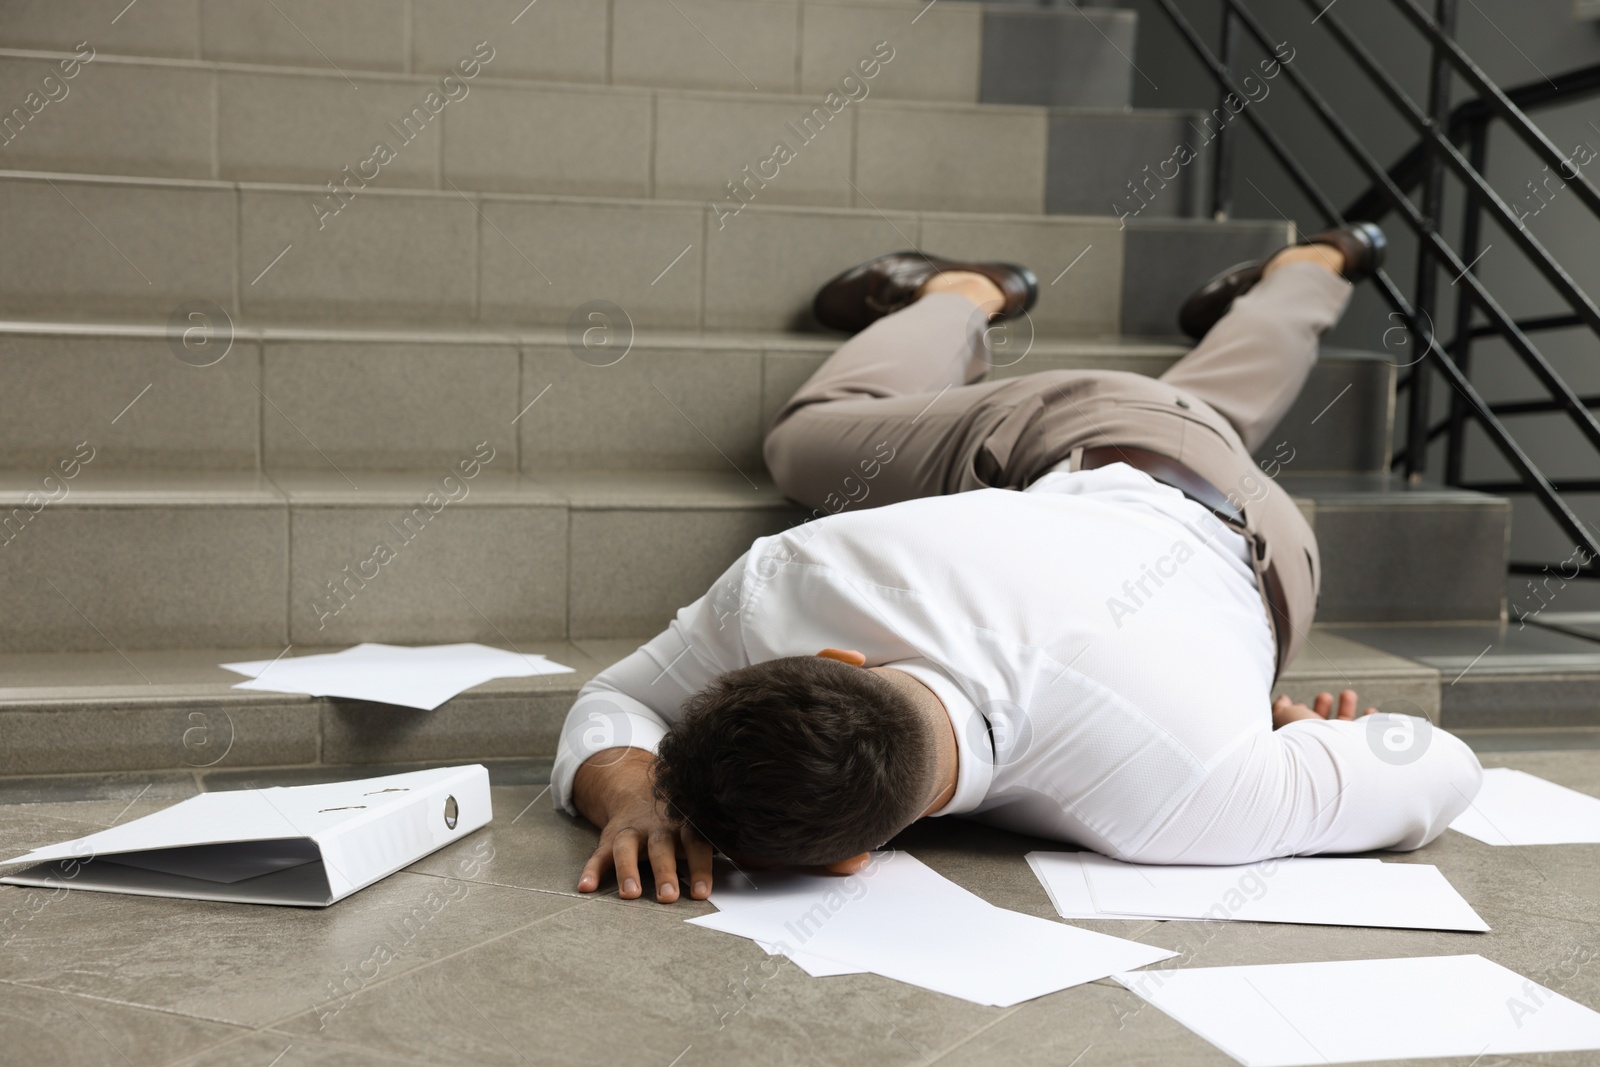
(1106, 222)
(1110, 346)
(215, 66)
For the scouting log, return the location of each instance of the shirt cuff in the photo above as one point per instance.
(596, 723)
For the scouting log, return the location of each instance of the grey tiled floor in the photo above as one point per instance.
(482, 953)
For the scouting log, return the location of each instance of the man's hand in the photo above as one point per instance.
(613, 790)
(1285, 711)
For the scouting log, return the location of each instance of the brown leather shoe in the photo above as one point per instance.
(1361, 243)
(867, 292)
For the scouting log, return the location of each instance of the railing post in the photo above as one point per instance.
(1461, 348)
(1222, 160)
(1439, 74)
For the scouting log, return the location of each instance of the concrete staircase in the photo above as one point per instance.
(258, 343)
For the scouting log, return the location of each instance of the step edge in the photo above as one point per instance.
(923, 214)
(421, 80)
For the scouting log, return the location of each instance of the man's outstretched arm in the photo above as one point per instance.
(608, 743)
(1320, 785)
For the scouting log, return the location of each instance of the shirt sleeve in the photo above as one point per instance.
(633, 702)
(1318, 786)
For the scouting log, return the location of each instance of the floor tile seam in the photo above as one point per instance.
(985, 1028)
(43, 987)
(270, 1025)
(1544, 915)
(368, 1049)
(506, 885)
(428, 964)
(189, 1057)
(249, 1032)
(59, 818)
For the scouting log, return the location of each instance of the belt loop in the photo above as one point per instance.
(1075, 459)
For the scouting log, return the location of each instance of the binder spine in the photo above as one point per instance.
(357, 853)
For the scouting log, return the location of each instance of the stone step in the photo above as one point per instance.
(98, 711)
(1502, 677)
(952, 51)
(286, 398)
(1394, 554)
(129, 559)
(111, 247)
(78, 712)
(274, 124)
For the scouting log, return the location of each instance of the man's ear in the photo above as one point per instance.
(844, 655)
(851, 865)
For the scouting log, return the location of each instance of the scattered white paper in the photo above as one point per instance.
(1515, 808)
(900, 919)
(1281, 1015)
(738, 890)
(1331, 891)
(422, 677)
(1064, 881)
(809, 962)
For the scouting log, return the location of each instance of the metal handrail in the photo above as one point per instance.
(1494, 98)
(1532, 479)
(1515, 407)
(1423, 226)
(1406, 171)
(1477, 187)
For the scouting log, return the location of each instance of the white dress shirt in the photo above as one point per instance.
(1102, 651)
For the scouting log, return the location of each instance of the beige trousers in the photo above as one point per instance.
(910, 387)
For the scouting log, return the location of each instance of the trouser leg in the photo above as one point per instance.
(889, 417)
(1254, 361)
(885, 417)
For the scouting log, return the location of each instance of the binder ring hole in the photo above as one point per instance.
(451, 812)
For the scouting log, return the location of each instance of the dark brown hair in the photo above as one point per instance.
(799, 760)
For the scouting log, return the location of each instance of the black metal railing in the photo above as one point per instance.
(1437, 155)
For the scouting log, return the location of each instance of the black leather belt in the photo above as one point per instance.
(1187, 480)
(1167, 471)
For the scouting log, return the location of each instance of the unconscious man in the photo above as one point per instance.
(1054, 603)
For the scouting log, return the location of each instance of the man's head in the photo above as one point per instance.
(804, 760)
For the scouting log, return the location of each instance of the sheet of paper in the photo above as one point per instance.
(742, 889)
(1324, 890)
(745, 889)
(423, 677)
(811, 963)
(1066, 882)
(900, 919)
(1515, 808)
(1067, 886)
(1281, 1015)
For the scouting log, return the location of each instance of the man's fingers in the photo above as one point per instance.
(664, 862)
(1347, 704)
(699, 852)
(1323, 705)
(625, 854)
(595, 869)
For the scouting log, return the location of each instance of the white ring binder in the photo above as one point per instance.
(307, 845)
